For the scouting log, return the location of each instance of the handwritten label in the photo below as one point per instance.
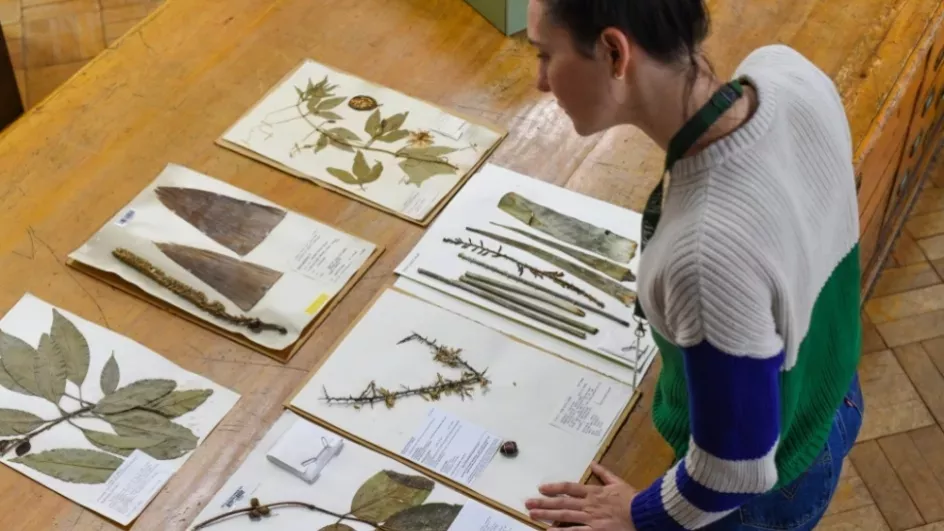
(331, 257)
(451, 446)
(476, 517)
(134, 484)
(590, 408)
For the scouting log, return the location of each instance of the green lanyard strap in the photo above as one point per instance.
(684, 139)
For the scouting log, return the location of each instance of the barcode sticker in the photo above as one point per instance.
(125, 218)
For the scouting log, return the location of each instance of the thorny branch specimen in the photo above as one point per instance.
(193, 295)
(448, 356)
(554, 276)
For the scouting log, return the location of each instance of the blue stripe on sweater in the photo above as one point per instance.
(704, 498)
(734, 402)
(648, 513)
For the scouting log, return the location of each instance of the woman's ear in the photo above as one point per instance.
(617, 51)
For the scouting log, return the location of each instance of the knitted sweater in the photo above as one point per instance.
(751, 287)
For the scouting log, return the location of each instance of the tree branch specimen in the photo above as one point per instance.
(194, 296)
(554, 276)
(546, 299)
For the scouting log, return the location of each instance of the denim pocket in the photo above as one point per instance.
(850, 416)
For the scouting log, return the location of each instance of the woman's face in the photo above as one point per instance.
(585, 87)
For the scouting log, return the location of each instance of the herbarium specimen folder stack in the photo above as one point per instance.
(505, 354)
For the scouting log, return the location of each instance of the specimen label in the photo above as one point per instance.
(125, 218)
(476, 517)
(134, 484)
(451, 446)
(330, 256)
(589, 408)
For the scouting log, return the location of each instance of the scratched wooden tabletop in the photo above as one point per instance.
(167, 90)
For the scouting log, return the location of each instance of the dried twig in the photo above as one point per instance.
(554, 276)
(448, 356)
(256, 511)
(195, 296)
(527, 304)
(546, 299)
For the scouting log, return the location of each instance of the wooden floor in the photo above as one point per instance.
(894, 478)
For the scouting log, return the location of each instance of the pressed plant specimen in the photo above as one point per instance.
(140, 413)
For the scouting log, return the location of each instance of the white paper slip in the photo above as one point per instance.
(451, 446)
(331, 256)
(450, 126)
(476, 517)
(132, 486)
(125, 218)
(590, 408)
(304, 450)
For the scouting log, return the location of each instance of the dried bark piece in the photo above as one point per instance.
(233, 223)
(243, 283)
(568, 229)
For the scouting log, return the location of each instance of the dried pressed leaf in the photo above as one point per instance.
(19, 361)
(72, 347)
(233, 223)
(387, 493)
(372, 127)
(244, 283)
(178, 440)
(429, 517)
(343, 176)
(110, 376)
(50, 369)
(430, 153)
(374, 174)
(568, 229)
(337, 527)
(394, 136)
(360, 168)
(328, 115)
(16, 422)
(395, 122)
(341, 146)
(419, 171)
(331, 103)
(342, 133)
(322, 143)
(120, 444)
(73, 465)
(180, 402)
(136, 394)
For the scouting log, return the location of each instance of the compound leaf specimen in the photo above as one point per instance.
(120, 444)
(110, 376)
(73, 465)
(429, 517)
(135, 395)
(344, 176)
(180, 402)
(244, 283)
(394, 136)
(387, 493)
(50, 370)
(394, 123)
(372, 127)
(16, 422)
(419, 171)
(235, 224)
(72, 347)
(360, 168)
(19, 362)
(321, 143)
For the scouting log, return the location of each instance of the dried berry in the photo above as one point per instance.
(23, 448)
(509, 449)
(362, 103)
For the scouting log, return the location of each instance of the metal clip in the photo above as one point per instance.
(314, 466)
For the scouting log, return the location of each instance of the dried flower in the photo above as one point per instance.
(420, 139)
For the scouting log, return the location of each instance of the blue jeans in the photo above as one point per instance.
(800, 505)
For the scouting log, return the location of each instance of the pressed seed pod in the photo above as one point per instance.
(362, 103)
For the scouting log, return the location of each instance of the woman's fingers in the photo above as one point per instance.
(605, 475)
(563, 502)
(550, 515)
(576, 490)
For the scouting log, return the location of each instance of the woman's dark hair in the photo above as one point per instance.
(668, 30)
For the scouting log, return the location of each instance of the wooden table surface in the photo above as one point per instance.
(167, 90)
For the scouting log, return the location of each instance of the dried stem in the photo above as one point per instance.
(554, 276)
(7, 445)
(195, 296)
(442, 386)
(257, 511)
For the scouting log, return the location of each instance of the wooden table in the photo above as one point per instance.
(167, 89)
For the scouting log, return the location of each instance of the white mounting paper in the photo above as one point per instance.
(275, 130)
(126, 491)
(476, 205)
(316, 260)
(334, 490)
(526, 388)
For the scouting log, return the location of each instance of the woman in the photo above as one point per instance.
(749, 277)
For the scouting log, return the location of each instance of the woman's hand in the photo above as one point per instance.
(592, 507)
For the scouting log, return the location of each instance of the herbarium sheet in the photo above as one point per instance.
(548, 265)
(95, 416)
(365, 140)
(228, 257)
(357, 490)
(463, 401)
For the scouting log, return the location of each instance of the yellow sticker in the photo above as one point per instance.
(315, 306)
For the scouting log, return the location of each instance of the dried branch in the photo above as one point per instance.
(256, 511)
(448, 356)
(195, 296)
(554, 276)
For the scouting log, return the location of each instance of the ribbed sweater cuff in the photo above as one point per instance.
(648, 513)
